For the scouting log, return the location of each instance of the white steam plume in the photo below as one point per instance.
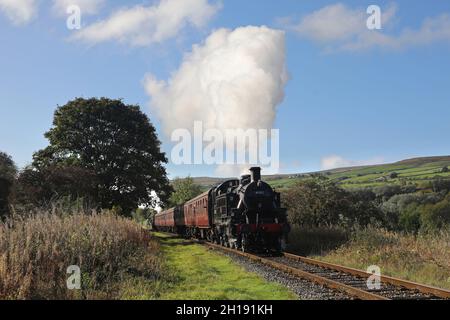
(234, 80)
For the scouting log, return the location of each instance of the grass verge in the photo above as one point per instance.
(200, 274)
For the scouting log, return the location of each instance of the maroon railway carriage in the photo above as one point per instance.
(171, 220)
(197, 215)
(164, 221)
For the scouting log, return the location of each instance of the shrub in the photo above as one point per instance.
(144, 216)
(35, 253)
(387, 191)
(7, 176)
(401, 211)
(41, 188)
(321, 203)
(409, 219)
(313, 240)
(441, 185)
(436, 216)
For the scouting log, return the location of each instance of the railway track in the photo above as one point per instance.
(350, 281)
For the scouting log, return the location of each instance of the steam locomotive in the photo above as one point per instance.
(244, 213)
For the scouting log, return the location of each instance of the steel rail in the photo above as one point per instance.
(437, 292)
(352, 291)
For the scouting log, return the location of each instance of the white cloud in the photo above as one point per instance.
(234, 80)
(332, 23)
(335, 161)
(19, 12)
(341, 28)
(144, 25)
(86, 6)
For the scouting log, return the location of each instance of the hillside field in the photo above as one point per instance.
(415, 171)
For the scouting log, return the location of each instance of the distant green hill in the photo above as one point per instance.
(415, 170)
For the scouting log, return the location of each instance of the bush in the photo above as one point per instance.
(144, 216)
(321, 203)
(315, 241)
(437, 216)
(409, 219)
(387, 191)
(441, 185)
(7, 176)
(41, 188)
(393, 175)
(401, 211)
(415, 212)
(35, 253)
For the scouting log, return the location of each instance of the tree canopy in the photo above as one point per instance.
(8, 173)
(320, 202)
(114, 141)
(39, 188)
(185, 189)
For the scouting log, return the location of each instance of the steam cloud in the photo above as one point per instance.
(234, 80)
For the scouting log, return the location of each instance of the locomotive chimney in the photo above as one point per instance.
(256, 174)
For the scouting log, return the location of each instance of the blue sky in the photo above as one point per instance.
(351, 99)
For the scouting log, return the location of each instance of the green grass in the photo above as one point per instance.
(200, 274)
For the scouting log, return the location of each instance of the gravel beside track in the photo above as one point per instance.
(304, 289)
(386, 290)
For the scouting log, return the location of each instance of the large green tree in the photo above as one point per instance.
(185, 189)
(7, 175)
(115, 141)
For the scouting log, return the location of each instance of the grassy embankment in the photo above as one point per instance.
(423, 259)
(118, 260)
(114, 254)
(198, 273)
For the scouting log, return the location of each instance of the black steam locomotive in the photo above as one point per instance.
(245, 214)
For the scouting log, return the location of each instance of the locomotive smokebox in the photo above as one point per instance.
(256, 174)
